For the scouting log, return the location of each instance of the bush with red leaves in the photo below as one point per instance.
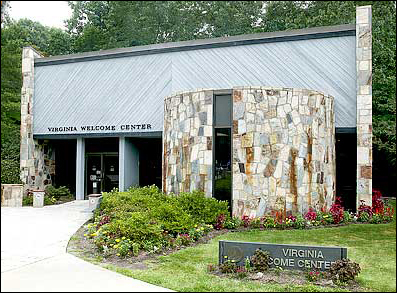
(337, 210)
(220, 222)
(311, 215)
(378, 205)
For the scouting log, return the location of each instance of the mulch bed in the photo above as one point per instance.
(289, 277)
(81, 246)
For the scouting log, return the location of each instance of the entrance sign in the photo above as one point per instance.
(286, 256)
(108, 128)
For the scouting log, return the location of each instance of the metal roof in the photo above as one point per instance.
(247, 39)
(130, 89)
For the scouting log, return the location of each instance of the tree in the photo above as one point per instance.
(111, 24)
(14, 36)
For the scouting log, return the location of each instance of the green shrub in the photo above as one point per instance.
(49, 200)
(138, 227)
(151, 220)
(202, 209)
(324, 218)
(260, 260)
(344, 270)
(228, 267)
(10, 171)
(363, 217)
(300, 223)
(173, 218)
(347, 217)
(134, 200)
(256, 223)
(57, 193)
(376, 219)
(27, 200)
(269, 222)
(233, 223)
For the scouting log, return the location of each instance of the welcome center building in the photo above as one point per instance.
(265, 121)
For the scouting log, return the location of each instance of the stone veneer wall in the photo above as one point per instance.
(37, 159)
(187, 142)
(283, 150)
(364, 103)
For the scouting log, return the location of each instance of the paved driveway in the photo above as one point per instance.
(34, 258)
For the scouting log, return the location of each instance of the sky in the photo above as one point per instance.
(48, 13)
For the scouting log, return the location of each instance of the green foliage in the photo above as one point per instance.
(98, 25)
(228, 267)
(344, 270)
(376, 219)
(173, 217)
(14, 36)
(57, 193)
(372, 246)
(363, 217)
(260, 260)
(202, 209)
(233, 223)
(152, 220)
(247, 264)
(300, 222)
(347, 217)
(10, 171)
(49, 200)
(28, 200)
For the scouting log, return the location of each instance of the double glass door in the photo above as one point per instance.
(102, 172)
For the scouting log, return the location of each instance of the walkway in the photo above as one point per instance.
(34, 258)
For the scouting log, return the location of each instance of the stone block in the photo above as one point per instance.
(366, 172)
(363, 156)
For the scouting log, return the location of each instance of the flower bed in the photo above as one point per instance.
(144, 220)
(341, 274)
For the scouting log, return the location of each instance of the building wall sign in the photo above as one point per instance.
(107, 128)
(286, 256)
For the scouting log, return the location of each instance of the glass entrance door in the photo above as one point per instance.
(102, 172)
(110, 172)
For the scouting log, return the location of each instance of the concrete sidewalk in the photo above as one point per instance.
(34, 258)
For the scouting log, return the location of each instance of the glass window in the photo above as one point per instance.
(223, 110)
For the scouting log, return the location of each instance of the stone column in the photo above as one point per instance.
(364, 103)
(28, 144)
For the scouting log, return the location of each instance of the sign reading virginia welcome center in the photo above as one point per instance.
(286, 256)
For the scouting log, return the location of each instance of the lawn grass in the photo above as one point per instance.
(373, 246)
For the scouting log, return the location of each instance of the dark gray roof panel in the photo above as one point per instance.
(248, 39)
(131, 90)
